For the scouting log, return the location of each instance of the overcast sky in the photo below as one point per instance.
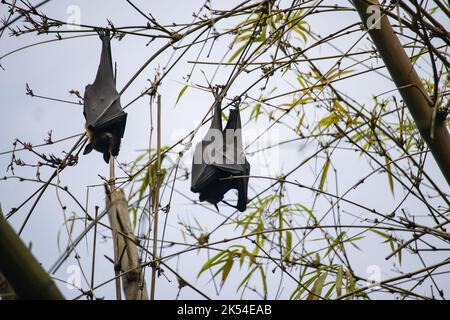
(53, 69)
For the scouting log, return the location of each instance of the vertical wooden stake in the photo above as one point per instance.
(112, 175)
(94, 248)
(156, 202)
(112, 189)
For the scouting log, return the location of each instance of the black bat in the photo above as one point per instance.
(212, 172)
(105, 119)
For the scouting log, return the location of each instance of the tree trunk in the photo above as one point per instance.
(21, 269)
(409, 85)
(6, 291)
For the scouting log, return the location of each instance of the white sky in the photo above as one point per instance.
(55, 68)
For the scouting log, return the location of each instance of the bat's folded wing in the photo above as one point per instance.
(203, 173)
(102, 108)
(233, 158)
(101, 100)
(242, 187)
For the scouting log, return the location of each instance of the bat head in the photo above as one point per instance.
(104, 142)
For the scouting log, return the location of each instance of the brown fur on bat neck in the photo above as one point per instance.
(105, 142)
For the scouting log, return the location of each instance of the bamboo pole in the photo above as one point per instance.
(126, 255)
(23, 272)
(6, 291)
(110, 193)
(127, 261)
(432, 129)
(156, 200)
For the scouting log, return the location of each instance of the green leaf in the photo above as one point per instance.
(299, 124)
(329, 120)
(384, 235)
(247, 278)
(181, 94)
(302, 208)
(350, 287)
(213, 261)
(227, 267)
(336, 242)
(339, 282)
(317, 288)
(263, 279)
(389, 173)
(256, 111)
(288, 245)
(324, 174)
(144, 185)
(329, 292)
(238, 51)
(300, 289)
(338, 107)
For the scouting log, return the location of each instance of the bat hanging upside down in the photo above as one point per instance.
(105, 119)
(214, 175)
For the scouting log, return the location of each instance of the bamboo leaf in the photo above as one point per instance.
(324, 174)
(238, 51)
(213, 261)
(246, 278)
(339, 282)
(389, 173)
(288, 245)
(335, 243)
(317, 288)
(227, 267)
(350, 287)
(329, 120)
(384, 235)
(181, 93)
(263, 279)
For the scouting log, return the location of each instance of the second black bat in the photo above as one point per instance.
(213, 172)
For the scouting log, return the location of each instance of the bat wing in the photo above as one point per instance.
(203, 172)
(234, 161)
(216, 122)
(242, 187)
(101, 100)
